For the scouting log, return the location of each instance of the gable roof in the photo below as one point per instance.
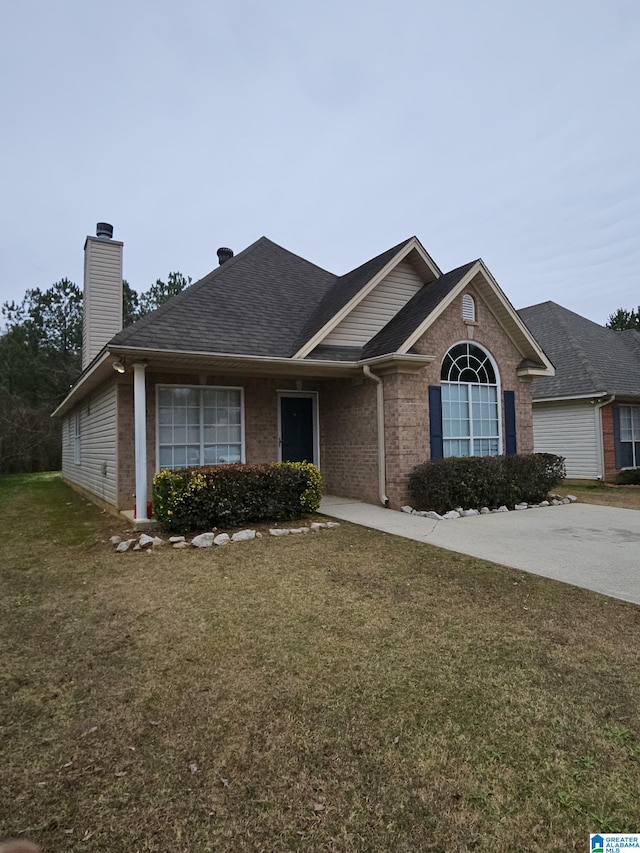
(589, 358)
(343, 291)
(255, 303)
(395, 333)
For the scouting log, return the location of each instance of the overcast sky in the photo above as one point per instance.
(497, 129)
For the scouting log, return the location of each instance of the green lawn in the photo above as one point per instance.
(591, 492)
(341, 691)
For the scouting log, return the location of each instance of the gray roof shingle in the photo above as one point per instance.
(588, 358)
(344, 289)
(254, 304)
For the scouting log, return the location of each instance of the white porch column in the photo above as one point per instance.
(140, 432)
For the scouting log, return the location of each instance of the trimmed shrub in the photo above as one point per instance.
(230, 495)
(476, 481)
(630, 477)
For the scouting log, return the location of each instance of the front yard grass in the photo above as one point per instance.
(341, 691)
(592, 492)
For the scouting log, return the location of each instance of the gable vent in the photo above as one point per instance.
(468, 308)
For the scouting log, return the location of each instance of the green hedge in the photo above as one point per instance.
(629, 477)
(230, 495)
(476, 481)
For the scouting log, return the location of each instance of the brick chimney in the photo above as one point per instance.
(102, 298)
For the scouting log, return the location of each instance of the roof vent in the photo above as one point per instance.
(103, 229)
(224, 255)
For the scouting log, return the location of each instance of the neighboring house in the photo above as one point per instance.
(269, 357)
(589, 412)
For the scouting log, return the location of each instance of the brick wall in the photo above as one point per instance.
(406, 396)
(608, 444)
(349, 438)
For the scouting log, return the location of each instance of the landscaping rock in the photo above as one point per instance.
(115, 540)
(204, 540)
(543, 503)
(181, 545)
(295, 530)
(556, 502)
(565, 501)
(315, 526)
(432, 514)
(222, 539)
(175, 539)
(572, 498)
(521, 506)
(278, 531)
(125, 545)
(468, 512)
(331, 524)
(502, 508)
(453, 513)
(408, 509)
(243, 535)
(145, 541)
(485, 510)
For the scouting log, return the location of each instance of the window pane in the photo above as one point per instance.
(193, 455)
(626, 454)
(179, 435)
(193, 434)
(165, 435)
(166, 457)
(179, 457)
(235, 454)
(635, 417)
(179, 415)
(234, 416)
(625, 423)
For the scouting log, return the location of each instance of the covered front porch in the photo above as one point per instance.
(191, 409)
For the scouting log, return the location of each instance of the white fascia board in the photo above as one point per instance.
(365, 290)
(535, 371)
(400, 358)
(444, 304)
(136, 352)
(596, 395)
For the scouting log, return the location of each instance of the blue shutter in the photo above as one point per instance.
(435, 421)
(616, 436)
(510, 443)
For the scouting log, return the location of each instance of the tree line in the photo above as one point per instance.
(624, 319)
(41, 357)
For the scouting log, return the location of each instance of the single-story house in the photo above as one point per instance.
(589, 412)
(270, 357)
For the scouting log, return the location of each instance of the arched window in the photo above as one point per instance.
(468, 308)
(470, 415)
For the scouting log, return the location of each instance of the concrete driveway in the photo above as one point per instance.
(594, 547)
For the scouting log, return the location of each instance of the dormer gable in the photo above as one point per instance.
(377, 300)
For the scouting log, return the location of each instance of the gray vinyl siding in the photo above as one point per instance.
(571, 430)
(96, 470)
(376, 309)
(102, 295)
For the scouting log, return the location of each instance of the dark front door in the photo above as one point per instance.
(296, 429)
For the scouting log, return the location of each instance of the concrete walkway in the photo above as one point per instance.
(594, 547)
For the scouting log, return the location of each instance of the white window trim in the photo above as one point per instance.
(200, 388)
(314, 395)
(498, 387)
(633, 441)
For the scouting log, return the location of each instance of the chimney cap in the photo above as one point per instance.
(103, 229)
(224, 254)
